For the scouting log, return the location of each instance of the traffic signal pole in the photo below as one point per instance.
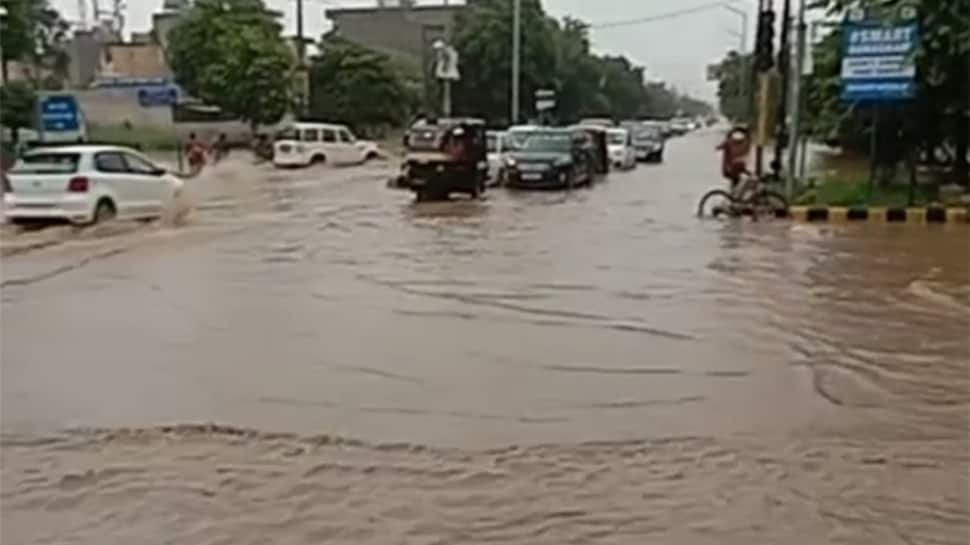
(796, 92)
(784, 66)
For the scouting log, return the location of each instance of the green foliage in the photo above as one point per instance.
(17, 105)
(35, 33)
(483, 38)
(857, 193)
(359, 87)
(230, 53)
(143, 138)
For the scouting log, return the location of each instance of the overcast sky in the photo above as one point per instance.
(675, 49)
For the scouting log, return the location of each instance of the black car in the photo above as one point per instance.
(547, 158)
(649, 142)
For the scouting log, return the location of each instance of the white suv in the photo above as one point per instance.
(304, 144)
(87, 184)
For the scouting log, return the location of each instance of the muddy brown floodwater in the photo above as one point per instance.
(591, 367)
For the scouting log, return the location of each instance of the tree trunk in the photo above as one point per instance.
(961, 143)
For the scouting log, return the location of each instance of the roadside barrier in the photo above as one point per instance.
(931, 214)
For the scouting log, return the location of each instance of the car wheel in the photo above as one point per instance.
(370, 156)
(318, 159)
(104, 211)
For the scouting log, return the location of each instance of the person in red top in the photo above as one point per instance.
(195, 151)
(734, 155)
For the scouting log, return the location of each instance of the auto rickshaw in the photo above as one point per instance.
(600, 151)
(445, 156)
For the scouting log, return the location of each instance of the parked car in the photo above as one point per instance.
(680, 126)
(622, 153)
(88, 184)
(305, 144)
(549, 158)
(649, 141)
(496, 142)
(597, 122)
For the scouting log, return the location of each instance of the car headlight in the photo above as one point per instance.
(510, 162)
(560, 163)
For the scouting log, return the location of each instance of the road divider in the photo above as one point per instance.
(835, 214)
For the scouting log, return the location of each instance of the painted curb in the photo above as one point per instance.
(835, 214)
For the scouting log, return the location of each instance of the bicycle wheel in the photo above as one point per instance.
(771, 203)
(714, 203)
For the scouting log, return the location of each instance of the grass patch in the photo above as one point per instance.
(143, 138)
(836, 192)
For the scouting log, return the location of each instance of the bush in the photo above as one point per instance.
(143, 138)
(842, 192)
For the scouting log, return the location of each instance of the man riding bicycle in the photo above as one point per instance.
(735, 149)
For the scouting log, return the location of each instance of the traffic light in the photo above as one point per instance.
(764, 50)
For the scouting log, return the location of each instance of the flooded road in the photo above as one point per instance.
(591, 367)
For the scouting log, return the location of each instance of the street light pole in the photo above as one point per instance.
(301, 61)
(516, 53)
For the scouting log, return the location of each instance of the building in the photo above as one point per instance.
(402, 30)
(133, 60)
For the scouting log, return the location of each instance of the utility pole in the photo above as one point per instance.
(796, 100)
(516, 46)
(304, 77)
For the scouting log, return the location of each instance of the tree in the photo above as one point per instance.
(357, 86)
(733, 86)
(483, 37)
(555, 55)
(230, 53)
(35, 33)
(17, 105)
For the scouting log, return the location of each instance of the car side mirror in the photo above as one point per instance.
(159, 172)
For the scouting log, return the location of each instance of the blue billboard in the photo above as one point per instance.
(878, 62)
(59, 113)
(161, 95)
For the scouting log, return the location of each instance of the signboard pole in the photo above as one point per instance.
(39, 117)
(784, 66)
(446, 97)
(873, 149)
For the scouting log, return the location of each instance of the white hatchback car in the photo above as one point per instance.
(304, 144)
(87, 184)
(623, 154)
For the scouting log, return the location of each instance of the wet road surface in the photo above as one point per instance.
(589, 367)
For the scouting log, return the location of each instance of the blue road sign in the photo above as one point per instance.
(163, 95)
(878, 61)
(59, 113)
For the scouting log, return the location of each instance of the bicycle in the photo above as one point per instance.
(751, 198)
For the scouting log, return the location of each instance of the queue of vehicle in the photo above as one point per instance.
(87, 183)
